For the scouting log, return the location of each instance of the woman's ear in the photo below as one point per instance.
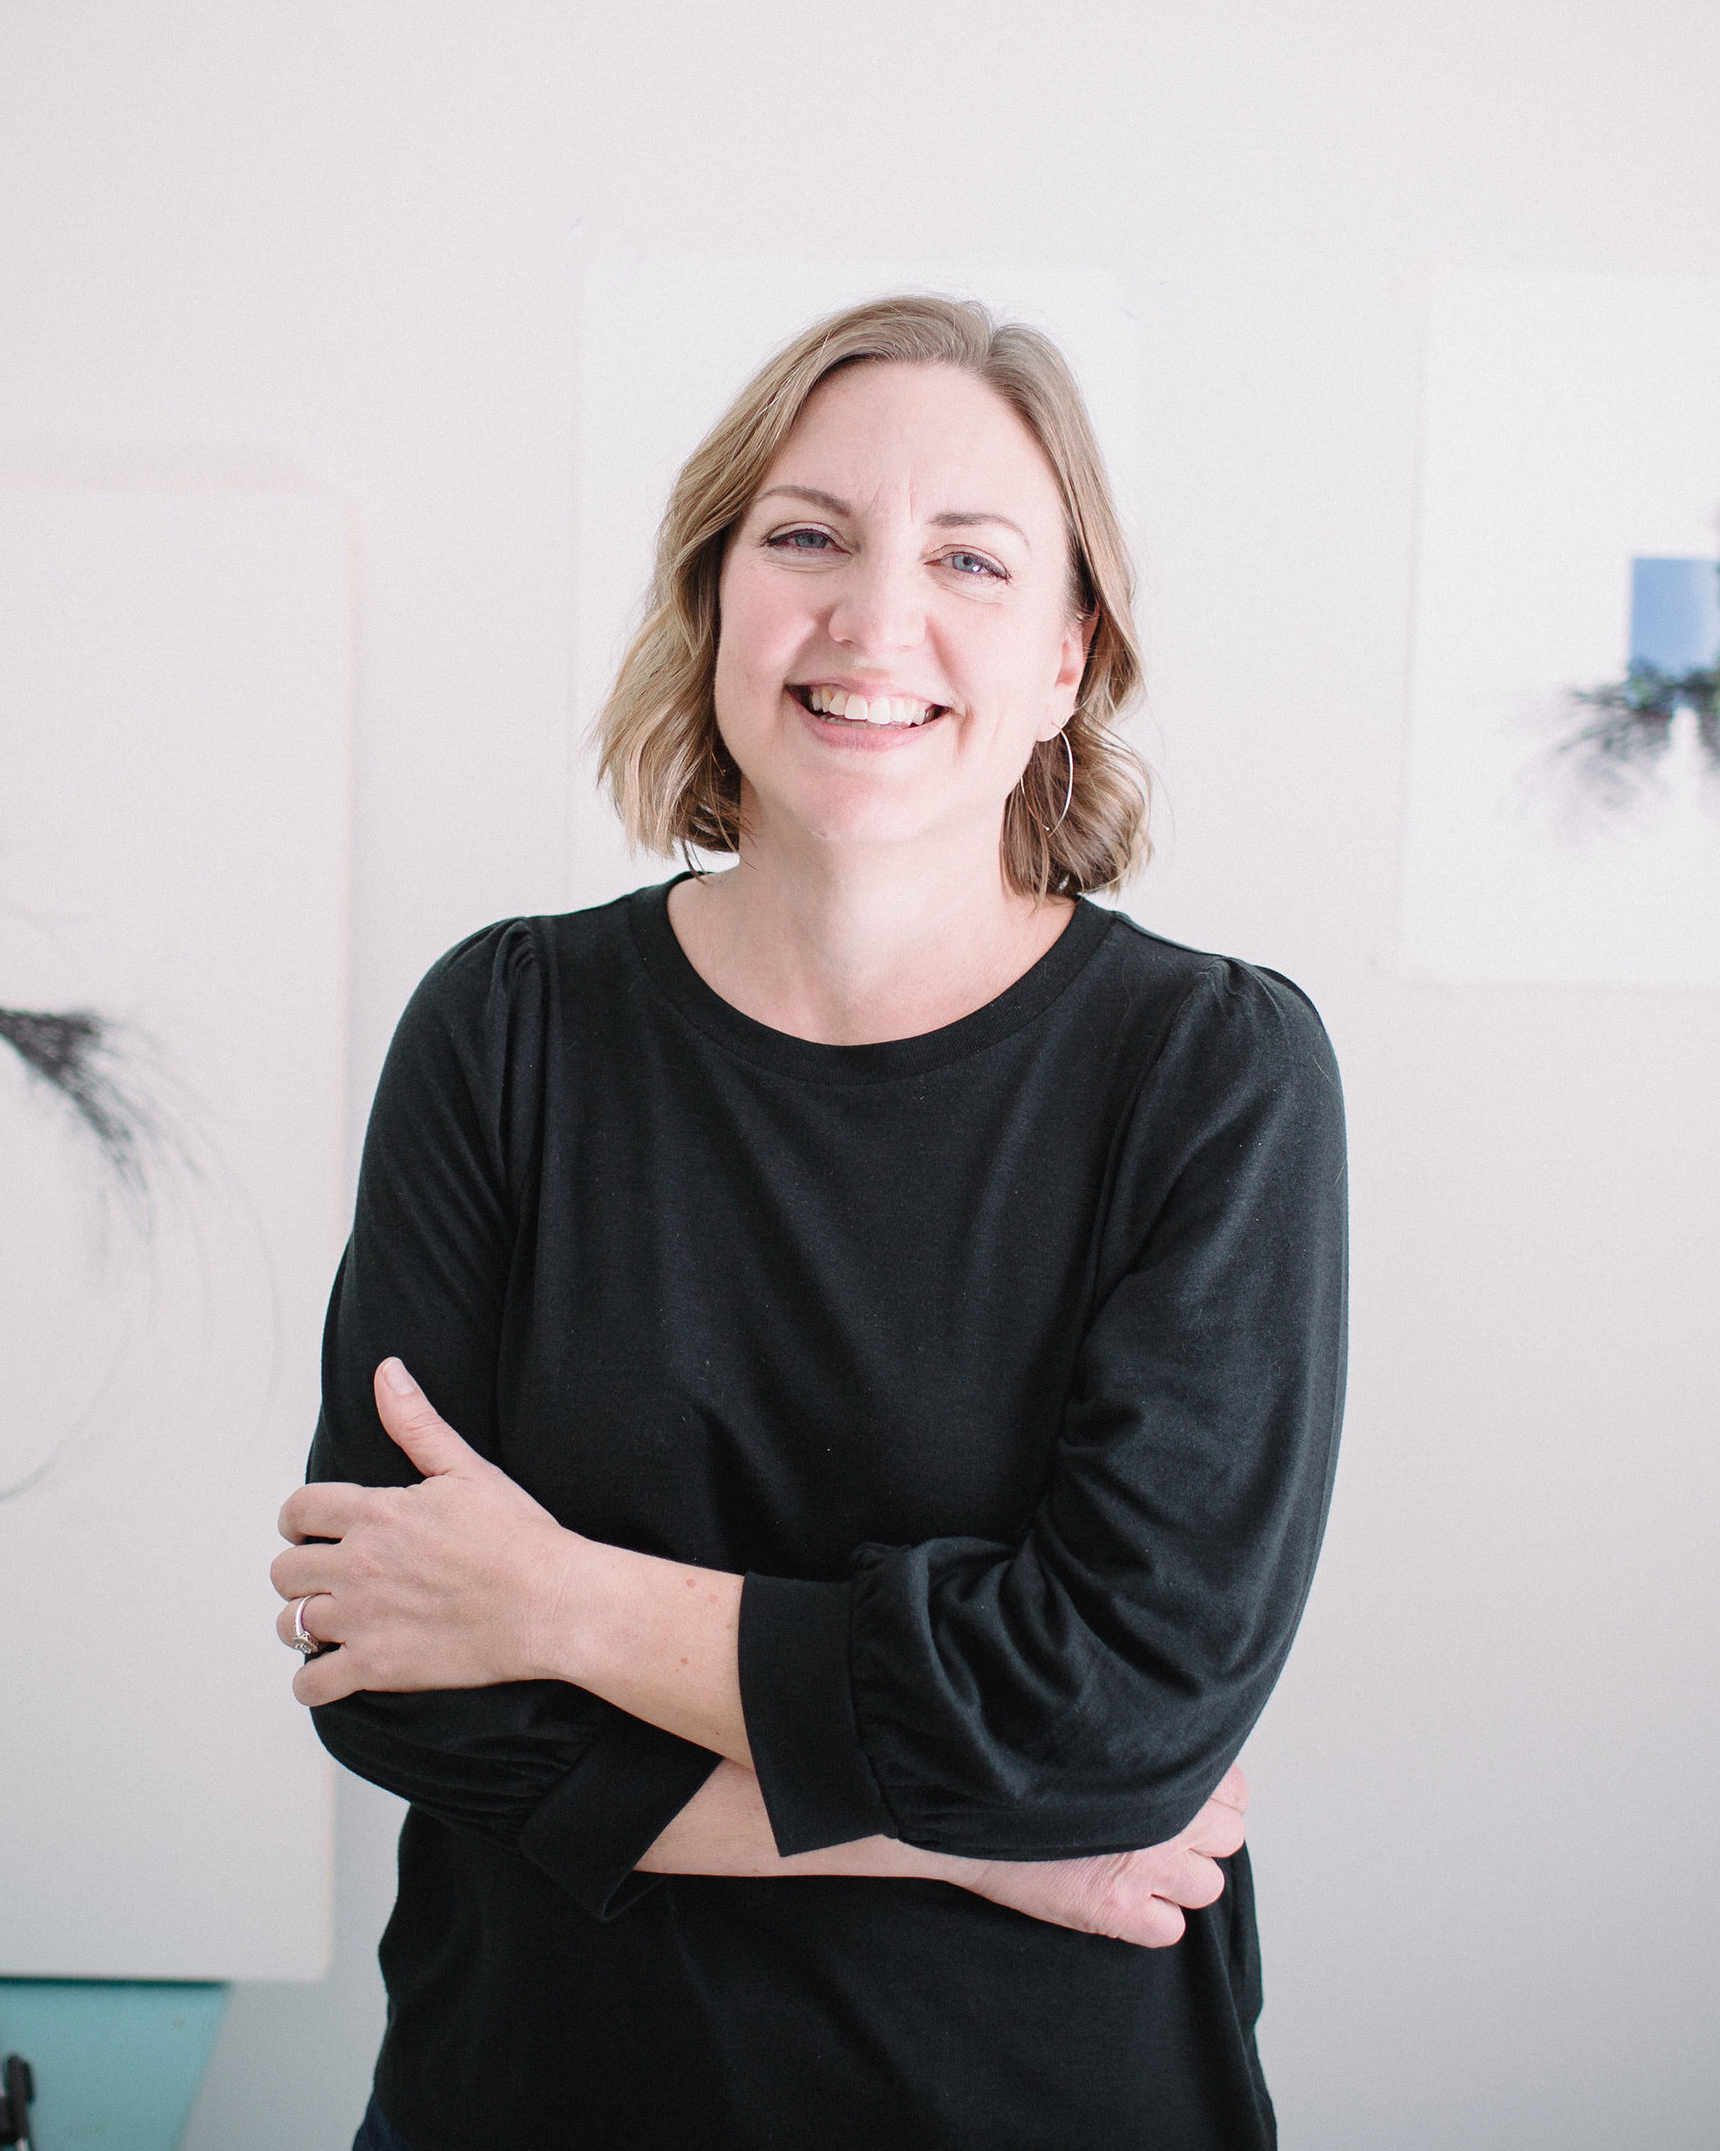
(1071, 668)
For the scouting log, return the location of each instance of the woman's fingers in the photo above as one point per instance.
(319, 1614)
(1139, 1906)
(454, 1582)
(329, 1509)
(1199, 1882)
(326, 1679)
(304, 1569)
(1217, 1830)
(1174, 1872)
(1167, 1926)
(1138, 1897)
(413, 1423)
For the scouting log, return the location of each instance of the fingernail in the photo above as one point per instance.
(397, 1378)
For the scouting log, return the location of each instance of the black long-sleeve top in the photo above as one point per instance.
(1006, 1362)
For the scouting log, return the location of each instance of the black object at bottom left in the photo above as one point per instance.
(15, 2103)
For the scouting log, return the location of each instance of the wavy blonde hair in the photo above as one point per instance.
(659, 750)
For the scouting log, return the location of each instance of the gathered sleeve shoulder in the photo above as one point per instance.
(450, 1157)
(1084, 1690)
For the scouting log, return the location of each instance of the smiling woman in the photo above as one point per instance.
(674, 779)
(830, 1401)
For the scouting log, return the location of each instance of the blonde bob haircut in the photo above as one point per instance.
(660, 753)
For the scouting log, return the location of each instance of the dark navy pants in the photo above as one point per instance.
(376, 2135)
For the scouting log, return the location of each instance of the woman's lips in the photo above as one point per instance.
(838, 706)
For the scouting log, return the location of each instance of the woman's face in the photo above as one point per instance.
(896, 631)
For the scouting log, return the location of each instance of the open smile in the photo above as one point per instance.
(896, 713)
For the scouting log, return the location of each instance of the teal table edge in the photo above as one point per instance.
(117, 2062)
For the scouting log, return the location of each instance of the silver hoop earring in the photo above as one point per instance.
(1069, 790)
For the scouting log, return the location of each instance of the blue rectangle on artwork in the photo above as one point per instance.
(1675, 614)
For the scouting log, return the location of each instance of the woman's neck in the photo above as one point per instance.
(856, 947)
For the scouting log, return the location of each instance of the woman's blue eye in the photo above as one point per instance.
(973, 565)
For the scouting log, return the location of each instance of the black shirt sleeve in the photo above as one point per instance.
(1084, 1690)
(572, 1783)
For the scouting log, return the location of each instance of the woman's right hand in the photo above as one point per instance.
(1137, 1897)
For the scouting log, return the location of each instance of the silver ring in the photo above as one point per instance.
(301, 1639)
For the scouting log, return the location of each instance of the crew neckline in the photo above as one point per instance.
(672, 973)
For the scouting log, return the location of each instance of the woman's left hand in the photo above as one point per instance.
(451, 1583)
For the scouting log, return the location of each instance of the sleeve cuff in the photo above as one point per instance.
(796, 1692)
(609, 1810)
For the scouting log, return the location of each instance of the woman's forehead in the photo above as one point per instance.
(939, 435)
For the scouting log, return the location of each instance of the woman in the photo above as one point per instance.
(877, 1327)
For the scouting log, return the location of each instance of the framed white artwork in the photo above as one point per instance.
(174, 717)
(1563, 802)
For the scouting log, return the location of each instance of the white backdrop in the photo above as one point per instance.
(174, 703)
(345, 241)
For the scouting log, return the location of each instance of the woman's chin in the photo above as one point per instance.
(849, 824)
(905, 792)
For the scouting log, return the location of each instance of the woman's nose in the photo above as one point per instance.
(879, 604)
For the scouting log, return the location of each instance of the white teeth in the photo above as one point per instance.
(897, 710)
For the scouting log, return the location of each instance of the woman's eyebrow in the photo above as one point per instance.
(812, 493)
(965, 518)
(951, 519)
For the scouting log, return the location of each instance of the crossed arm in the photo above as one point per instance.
(464, 1581)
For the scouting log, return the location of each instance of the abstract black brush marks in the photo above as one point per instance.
(1630, 725)
(75, 1055)
(190, 1258)
(97, 1072)
(1631, 728)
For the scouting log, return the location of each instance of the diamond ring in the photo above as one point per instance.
(301, 1639)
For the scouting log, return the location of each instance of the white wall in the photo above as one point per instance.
(342, 239)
